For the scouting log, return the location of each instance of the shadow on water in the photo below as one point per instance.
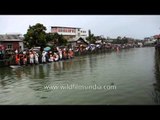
(92, 62)
(5, 77)
(49, 74)
(156, 92)
(9, 76)
(93, 59)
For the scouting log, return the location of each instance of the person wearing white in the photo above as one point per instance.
(51, 58)
(36, 57)
(43, 57)
(56, 57)
(60, 54)
(16, 51)
(31, 56)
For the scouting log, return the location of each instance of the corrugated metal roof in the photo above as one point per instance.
(77, 38)
(7, 37)
(73, 39)
(12, 40)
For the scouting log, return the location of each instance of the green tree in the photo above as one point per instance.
(58, 40)
(36, 36)
(91, 38)
(124, 40)
(62, 40)
(50, 37)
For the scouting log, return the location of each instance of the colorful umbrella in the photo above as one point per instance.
(47, 48)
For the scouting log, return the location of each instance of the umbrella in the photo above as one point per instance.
(47, 48)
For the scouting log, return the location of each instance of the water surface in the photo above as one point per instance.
(134, 72)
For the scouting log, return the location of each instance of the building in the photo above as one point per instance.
(149, 41)
(12, 41)
(69, 32)
(157, 37)
(78, 41)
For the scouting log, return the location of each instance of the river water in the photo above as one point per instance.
(127, 77)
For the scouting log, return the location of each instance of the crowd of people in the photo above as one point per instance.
(35, 57)
(38, 56)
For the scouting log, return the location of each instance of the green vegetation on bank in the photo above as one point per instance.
(36, 36)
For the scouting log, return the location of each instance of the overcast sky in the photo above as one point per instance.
(135, 26)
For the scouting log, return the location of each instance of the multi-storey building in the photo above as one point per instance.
(69, 32)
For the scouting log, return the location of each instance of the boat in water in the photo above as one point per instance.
(14, 66)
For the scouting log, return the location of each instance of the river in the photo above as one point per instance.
(127, 77)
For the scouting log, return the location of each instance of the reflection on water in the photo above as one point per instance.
(156, 92)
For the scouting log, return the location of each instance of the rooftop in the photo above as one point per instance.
(10, 37)
(64, 27)
(76, 39)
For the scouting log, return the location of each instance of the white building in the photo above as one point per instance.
(69, 32)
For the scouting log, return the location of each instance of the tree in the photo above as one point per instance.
(56, 39)
(119, 38)
(124, 40)
(61, 40)
(91, 38)
(36, 36)
(50, 37)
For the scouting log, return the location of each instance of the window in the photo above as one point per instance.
(54, 30)
(72, 30)
(60, 30)
(9, 46)
(63, 29)
(69, 30)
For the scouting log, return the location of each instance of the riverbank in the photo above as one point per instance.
(34, 56)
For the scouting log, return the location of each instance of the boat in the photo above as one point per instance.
(14, 66)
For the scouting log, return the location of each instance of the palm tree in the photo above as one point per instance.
(91, 38)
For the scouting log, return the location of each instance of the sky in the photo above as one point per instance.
(134, 26)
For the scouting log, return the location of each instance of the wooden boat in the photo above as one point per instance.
(14, 66)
